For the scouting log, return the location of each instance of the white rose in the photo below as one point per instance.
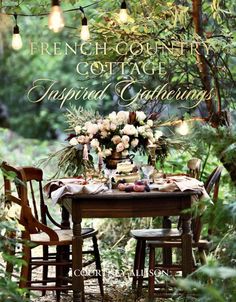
(125, 153)
(120, 147)
(126, 145)
(125, 139)
(134, 142)
(106, 124)
(158, 134)
(102, 127)
(87, 124)
(81, 139)
(129, 130)
(112, 117)
(140, 116)
(150, 123)
(104, 134)
(141, 129)
(73, 141)
(149, 134)
(91, 128)
(116, 139)
(107, 152)
(94, 143)
(113, 126)
(77, 129)
(122, 117)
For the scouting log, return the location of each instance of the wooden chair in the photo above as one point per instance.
(168, 238)
(39, 233)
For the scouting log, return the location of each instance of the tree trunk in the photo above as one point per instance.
(4, 116)
(203, 67)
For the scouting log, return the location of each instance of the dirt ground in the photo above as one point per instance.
(116, 289)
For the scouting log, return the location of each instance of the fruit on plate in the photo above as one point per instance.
(138, 186)
(121, 186)
(129, 188)
(139, 182)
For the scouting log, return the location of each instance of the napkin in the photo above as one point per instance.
(71, 186)
(180, 183)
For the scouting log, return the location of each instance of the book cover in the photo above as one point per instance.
(122, 97)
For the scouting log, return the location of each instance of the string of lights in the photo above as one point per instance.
(56, 21)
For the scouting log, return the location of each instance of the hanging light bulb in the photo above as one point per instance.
(55, 19)
(85, 35)
(183, 128)
(16, 38)
(123, 12)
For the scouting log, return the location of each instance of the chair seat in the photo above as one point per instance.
(152, 234)
(204, 244)
(65, 236)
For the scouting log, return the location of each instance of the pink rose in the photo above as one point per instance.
(91, 128)
(134, 142)
(116, 139)
(81, 139)
(120, 147)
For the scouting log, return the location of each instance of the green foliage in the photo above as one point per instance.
(222, 140)
(151, 22)
(211, 283)
(9, 290)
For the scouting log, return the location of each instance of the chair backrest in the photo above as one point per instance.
(13, 180)
(212, 183)
(33, 180)
(194, 167)
(16, 177)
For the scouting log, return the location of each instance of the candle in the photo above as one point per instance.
(100, 159)
(85, 152)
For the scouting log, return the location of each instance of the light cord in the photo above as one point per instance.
(81, 8)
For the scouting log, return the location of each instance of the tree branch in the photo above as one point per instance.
(201, 61)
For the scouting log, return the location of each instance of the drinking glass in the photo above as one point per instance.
(110, 173)
(147, 171)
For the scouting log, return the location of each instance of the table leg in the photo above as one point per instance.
(65, 218)
(77, 267)
(187, 264)
(167, 252)
(65, 223)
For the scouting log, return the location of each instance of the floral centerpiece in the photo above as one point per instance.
(118, 134)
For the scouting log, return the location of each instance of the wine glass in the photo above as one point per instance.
(147, 171)
(110, 173)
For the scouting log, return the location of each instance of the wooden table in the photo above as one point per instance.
(124, 205)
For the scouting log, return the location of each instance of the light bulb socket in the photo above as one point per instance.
(123, 5)
(16, 30)
(82, 10)
(84, 21)
(55, 2)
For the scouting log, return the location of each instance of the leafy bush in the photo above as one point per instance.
(9, 290)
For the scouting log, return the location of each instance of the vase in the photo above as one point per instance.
(115, 158)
